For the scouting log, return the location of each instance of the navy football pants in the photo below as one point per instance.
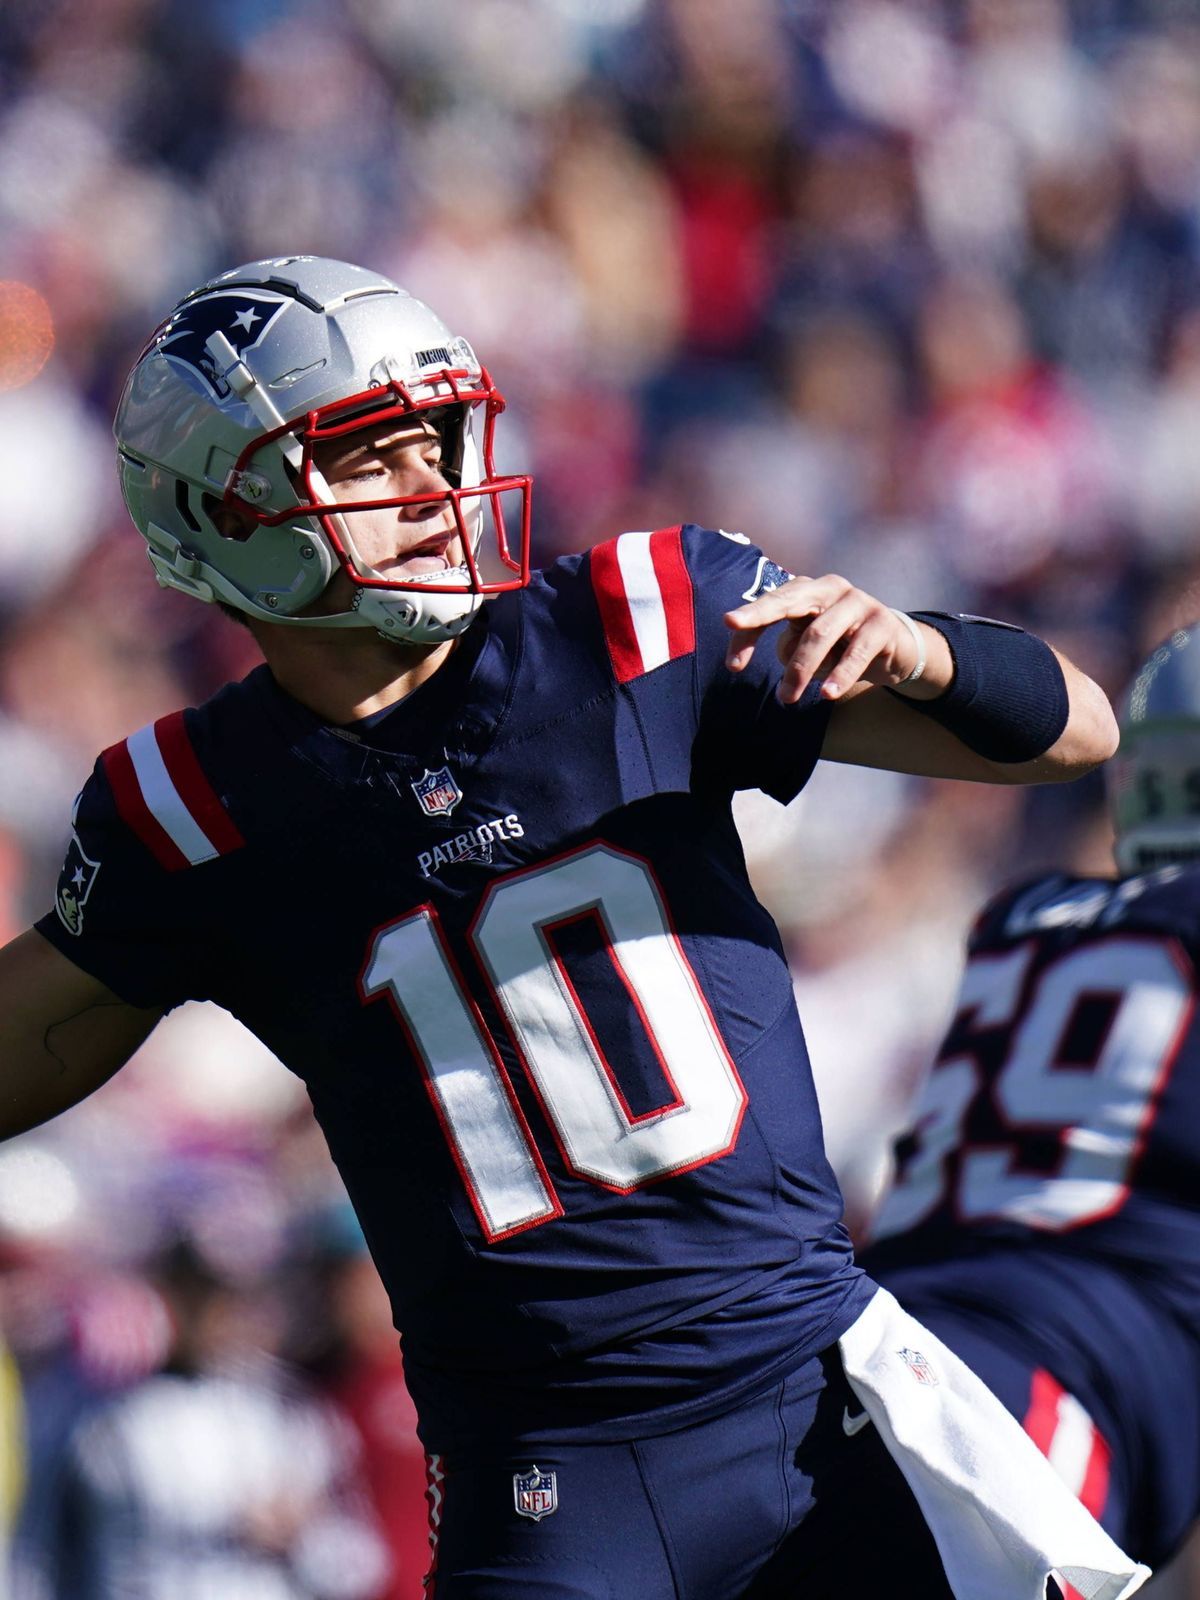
(1054, 1420)
(773, 1499)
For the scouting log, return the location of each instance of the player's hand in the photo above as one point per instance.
(835, 632)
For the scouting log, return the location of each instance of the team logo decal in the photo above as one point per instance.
(770, 575)
(535, 1493)
(919, 1365)
(74, 885)
(242, 316)
(437, 792)
(473, 844)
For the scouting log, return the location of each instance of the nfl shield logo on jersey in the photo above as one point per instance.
(920, 1366)
(535, 1493)
(437, 792)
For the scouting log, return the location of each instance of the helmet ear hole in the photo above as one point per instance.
(229, 519)
(183, 506)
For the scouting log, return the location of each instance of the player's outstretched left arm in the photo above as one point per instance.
(991, 702)
(62, 1033)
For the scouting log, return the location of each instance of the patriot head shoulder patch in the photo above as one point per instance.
(770, 575)
(74, 885)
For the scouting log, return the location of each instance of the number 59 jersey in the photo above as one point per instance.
(504, 934)
(1064, 1105)
(1044, 1219)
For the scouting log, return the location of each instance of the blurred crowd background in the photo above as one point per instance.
(905, 289)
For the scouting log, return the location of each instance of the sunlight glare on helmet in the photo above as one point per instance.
(26, 334)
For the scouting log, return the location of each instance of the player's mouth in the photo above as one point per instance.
(431, 555)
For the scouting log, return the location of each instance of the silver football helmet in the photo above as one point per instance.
(230, 398)
(1154, 778)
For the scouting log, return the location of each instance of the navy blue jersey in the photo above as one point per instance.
(504, 934)
(1047, 1192)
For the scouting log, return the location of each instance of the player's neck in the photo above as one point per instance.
(346, 674)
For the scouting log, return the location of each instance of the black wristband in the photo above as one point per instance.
(1008, 699)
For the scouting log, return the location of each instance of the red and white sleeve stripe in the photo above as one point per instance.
(162, 794)
(644, 592)
(1071, 1442)
(1069, 1439)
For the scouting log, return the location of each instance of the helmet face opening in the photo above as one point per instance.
(477, 498)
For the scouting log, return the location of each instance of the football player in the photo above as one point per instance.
(469, 869)
(1043, 1219)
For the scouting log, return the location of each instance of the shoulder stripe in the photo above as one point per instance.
(163, 795)
(134, 812)
(675, 586)
(201, 799)
(614, 611)
(644, 593)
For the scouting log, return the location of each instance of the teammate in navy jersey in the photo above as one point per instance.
(1044, 1218)
(470, 871)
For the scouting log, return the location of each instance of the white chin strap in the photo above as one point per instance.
(413, 617)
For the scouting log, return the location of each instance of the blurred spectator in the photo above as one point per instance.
(12, 1453)
(363, 1374)
(220, 1477)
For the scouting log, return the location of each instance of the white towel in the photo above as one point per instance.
(1003, 1519)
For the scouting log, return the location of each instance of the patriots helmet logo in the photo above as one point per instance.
(242, 315)
(74, 885)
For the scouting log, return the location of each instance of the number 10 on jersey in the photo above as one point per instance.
(410, 963)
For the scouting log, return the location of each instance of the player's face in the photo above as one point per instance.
(385, 462)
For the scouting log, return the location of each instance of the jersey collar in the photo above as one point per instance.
(455, 714)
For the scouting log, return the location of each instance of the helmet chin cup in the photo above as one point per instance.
(410, 616)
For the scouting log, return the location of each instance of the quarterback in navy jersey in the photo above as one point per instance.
(1044, 1215)
(461, 854)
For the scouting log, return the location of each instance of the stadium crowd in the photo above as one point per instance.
(905, 290)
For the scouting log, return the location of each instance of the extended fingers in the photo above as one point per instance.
(842, 645)
(833, 631)
(798, 598)
(741, 646)
(808, 643)
(861, 649)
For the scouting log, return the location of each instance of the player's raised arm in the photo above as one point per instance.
(970, 697)
(62, 1033)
